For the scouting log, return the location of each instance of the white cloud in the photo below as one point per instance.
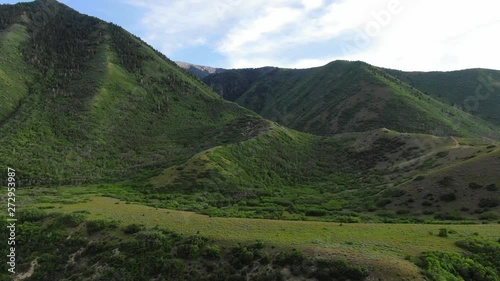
(439, 35)
(402, 34)
(175, 24)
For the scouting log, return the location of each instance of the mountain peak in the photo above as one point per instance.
(199, 71)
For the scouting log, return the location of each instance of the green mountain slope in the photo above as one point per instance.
(84, 100)
(344, 97)
(375, 175)
(475, 90)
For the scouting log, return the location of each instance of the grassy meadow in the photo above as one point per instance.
(387, 250)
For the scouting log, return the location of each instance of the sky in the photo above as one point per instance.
(411, 35)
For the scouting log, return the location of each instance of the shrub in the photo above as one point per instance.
(403, 212)
(453, 216)
(443, 232)
(387, 214)
(349, 219)
(383, 202)
(339, 270)
(212, 252)
(474, 185)
(419, 178)
(489, 216)
(294, 257)
(188, 251)
(449, 197)
(453, 266)
(31, 215)
(442, 154)
(488, 202)
(257, 245)
(245, 256)
(132, 228)
(446, 181)
(197, 240)
(98, 225)
(315, 212)
(71, 220)
(426, 204)
(393, 193)
(492, 187)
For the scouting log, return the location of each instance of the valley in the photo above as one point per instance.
(130, 166)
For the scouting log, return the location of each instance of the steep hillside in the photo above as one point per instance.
(376, 175)
(199, 71)
(344, 97)
(454, 192)
(475, 90)
(85, 101)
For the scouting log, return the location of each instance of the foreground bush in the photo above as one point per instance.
(480, 263)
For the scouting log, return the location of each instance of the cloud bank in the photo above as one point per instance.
(401, 34)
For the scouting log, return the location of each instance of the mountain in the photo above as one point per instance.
(85, 101)
(344, 97)
(350, 177)
(476, 91)
(89, 102)
(199, 71)
(112, 143)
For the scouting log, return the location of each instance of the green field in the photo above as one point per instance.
(388, 250)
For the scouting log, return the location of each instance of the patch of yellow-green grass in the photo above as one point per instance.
(110, 95)
(381, 246)
(13, 69)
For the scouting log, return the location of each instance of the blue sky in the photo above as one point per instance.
(401, 34)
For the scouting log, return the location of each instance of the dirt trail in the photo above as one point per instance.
(457, 144)
(30, 272)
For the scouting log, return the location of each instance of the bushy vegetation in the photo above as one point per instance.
(283, 172)
(479, 263)
(147, 253)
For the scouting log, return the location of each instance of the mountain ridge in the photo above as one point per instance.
(289, 97)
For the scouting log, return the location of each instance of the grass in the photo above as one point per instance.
(13, 70)
(378, 245)
(394, 239)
